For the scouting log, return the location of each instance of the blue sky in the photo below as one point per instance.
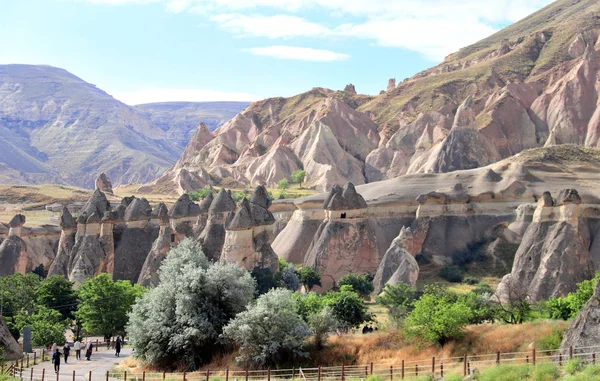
(201, 50)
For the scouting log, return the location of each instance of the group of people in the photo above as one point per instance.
(56, 355)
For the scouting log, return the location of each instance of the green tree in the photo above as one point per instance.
(438, 316)
(283, 184)
(199, 195)
(321, 324)
(309, 304)
(569, 306)
(397, 299)
(17, 297)
(104, 304)
(298, 177)
(348, 307)
(47, 326)
(265, 279)
(270, 332)
(178, 323)
(309, 278)
(57, 293)
(362, 284)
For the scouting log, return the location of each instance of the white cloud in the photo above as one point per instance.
(298, 53)
(152, 95)
(433, 28)
(278, 26)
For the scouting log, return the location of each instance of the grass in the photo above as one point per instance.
(540, 372)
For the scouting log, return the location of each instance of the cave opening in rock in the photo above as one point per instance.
(343, 215)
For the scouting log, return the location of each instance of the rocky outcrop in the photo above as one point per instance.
(160, 247)
(553, 255)
(350, 89)
(219, 214)
(10, 349)
(391, 84)
(583, 331)
(247, 238)
(397, 265)
(103, 183)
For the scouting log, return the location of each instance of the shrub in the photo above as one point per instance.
(309, 278)
(470, 280)
(270, 332)
(397, 299)
(473, 253)
(322, 323)
(483, 289)
(438, 316)
(265, 279)
(550, 341)
(290, 278)
(199, 195)
(592, 372)
(178, 324)
(572, 366)
(362, 284)
(348, 307)
(505, 373)
(283, 184)
(452, 274)
(545, 372)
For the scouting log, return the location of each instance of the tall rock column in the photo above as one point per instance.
(68, 226)
(213, 236)
(13, 251)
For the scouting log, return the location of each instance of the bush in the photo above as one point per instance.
(438, 316)
(322, 323)
(473, 253)
(505, 373)
(545, 372)
(270, 332)
(550, 341)
(483, 289)
(592, 372)
(573, 366)
(178, 324)
(199, 195)
(283, 184)
(348, 307)
(265, 279)
(452, 274)
(309, 278)
(569, 306)
(362, 284)
(397, 299)
(289, 278)
(470, 280)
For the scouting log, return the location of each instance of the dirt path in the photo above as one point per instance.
(101, 362)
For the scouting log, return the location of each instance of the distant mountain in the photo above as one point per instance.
(533, 84)
(180, 119)
(55, 127)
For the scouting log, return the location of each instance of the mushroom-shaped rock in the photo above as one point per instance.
(569, 196)
(261, 197)
(546, 200)
(67, 221)
(97, 203)
(335, 190)
(161, 212)
(103, 183)
(397, 265)
(139, 209)
(352, 198)
(127, 200)
(17, 221)
(82, 218)
(261, 215)
(205, 203)
(222, 203)
(111, 216)
(242, 218)
(93, 218)
(184, 207)
(391, 84)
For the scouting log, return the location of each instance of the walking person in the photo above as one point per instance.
(56, 360)
(118, 344)
(89, 349)
(66, 351)
(77, 347)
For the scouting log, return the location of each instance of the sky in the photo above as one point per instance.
(142, 51)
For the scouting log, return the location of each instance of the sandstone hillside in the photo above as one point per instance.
(533, 84)
(55, 127)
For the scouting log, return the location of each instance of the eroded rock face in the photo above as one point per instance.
(397, 265)
(583, 331)
(13, 256)
(160, 248)
(9, 347)
(103, 183)
(553, 255)
(221, 211)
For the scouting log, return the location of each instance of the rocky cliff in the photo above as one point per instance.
(9, 348)
(533, 84)
(583, 331)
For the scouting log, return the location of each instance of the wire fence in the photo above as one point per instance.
(405, 370)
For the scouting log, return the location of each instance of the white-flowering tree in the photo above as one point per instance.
(270, 332)
(178, 323)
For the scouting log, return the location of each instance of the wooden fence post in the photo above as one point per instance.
(527, 359)
(96, 345)
(107, 375)
(183, 376)
(144, 376)
(246, 374)
(73, 375)
(207, 374)
(227, 375)
(90, 379)
(560, 359)
(442, 369)
(417, 370)
(533, 357)
(28, 360)
(402, 370)
(465, 365)
(164, 375)
(392, 371)
(293, 372)
(343, 373)
(319, 373)
(366, 371)
(31, 376)
(594, 358)
(57, 375)
(125, 376)
(570, 352)
(34, 357)
(433, 365)
(43, 373)
(269, 374)
(43, 354)
(371, 367)
(498, 358)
